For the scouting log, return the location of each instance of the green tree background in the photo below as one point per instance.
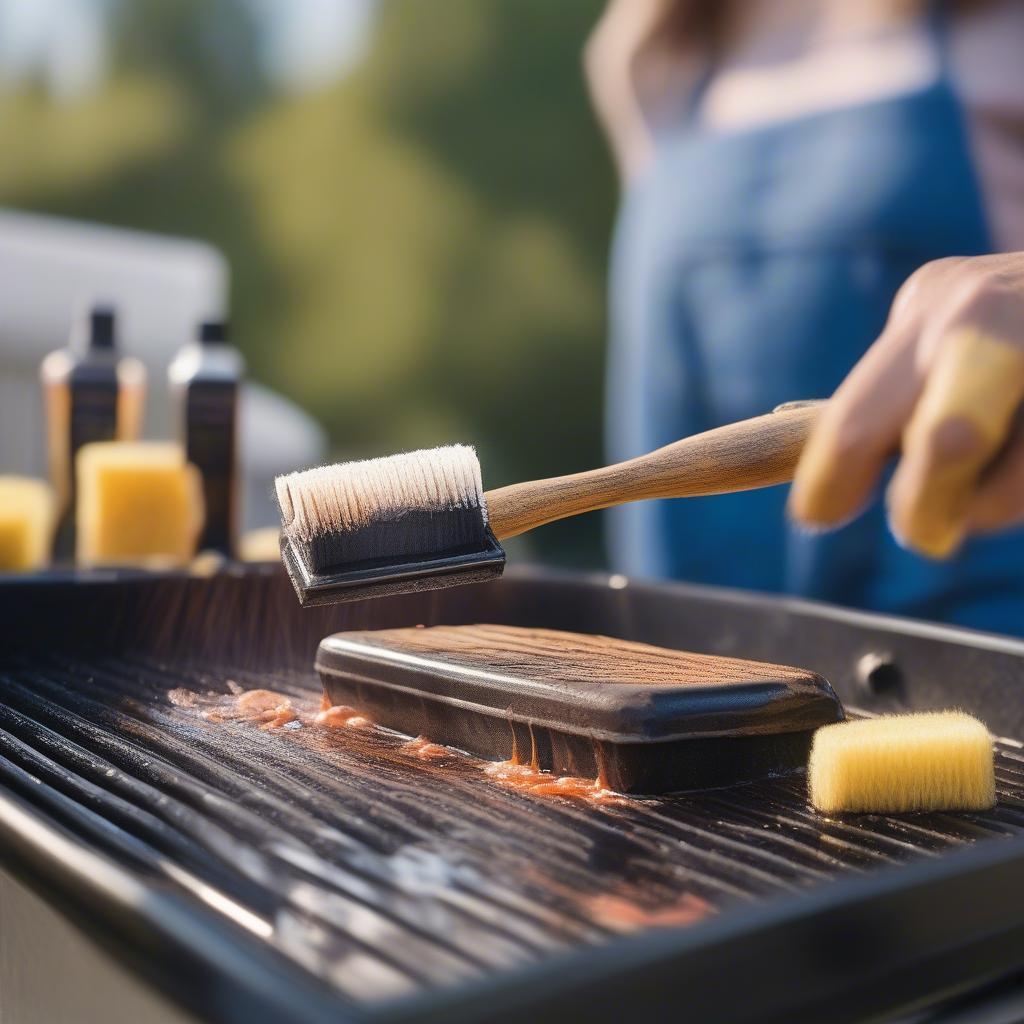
(418, 250)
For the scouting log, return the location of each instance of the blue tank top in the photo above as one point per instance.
(755, 267)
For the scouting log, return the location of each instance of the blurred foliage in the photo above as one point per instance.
(418, 250)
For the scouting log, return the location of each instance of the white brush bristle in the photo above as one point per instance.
(351, 495)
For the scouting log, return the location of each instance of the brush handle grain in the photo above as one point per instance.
(739, 457)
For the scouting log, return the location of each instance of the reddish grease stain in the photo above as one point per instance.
(274, 718)
(271, 710)
(526, 778)
(268, 709)
(341, 716)
(530, 778)
(622, 914)
(265, 708)
(425, 750)
(534, 755)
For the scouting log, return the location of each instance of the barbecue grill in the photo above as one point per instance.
(246, 875)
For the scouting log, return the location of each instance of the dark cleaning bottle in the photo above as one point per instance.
(205, 378)
(91, 394)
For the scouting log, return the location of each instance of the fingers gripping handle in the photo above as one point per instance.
(959, 424)
(753, 453)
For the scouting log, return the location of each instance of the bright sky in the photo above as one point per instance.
(60, 41)
(311, 42)
(307, 43)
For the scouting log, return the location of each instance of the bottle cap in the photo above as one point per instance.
(97, 328)
(212, 332)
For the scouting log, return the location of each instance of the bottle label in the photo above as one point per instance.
(93, 412)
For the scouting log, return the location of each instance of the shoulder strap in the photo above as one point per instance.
(937, 18)
(691, 109)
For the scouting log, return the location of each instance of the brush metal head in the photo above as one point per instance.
(416, 521)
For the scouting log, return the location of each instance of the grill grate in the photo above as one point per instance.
(386, 875)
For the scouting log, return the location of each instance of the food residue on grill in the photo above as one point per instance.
(271, 710)
(182, 698)
(528, 778)
(623, 913)
(425, 750)
(265, 708)
(341, 716)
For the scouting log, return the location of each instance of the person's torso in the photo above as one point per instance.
(753, 267)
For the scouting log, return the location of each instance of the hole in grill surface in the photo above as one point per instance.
(879, 676)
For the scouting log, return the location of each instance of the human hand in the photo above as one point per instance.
(943, 385)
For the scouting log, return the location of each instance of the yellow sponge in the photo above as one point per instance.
(27, 513)
(138, 502)
(262, 545)
(924, 762)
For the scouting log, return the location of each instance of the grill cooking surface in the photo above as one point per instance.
(386, 874)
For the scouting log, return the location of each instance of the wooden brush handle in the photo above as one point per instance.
(753, 453)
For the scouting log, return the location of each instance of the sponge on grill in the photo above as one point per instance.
(27, 511)
(138, 502)
(922, 762)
